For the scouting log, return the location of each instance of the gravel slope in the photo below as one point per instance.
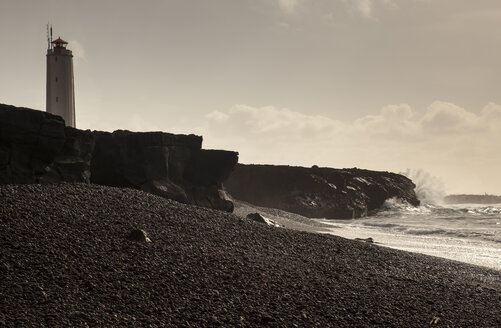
(65, 261)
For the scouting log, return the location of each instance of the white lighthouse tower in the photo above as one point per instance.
(60, 98)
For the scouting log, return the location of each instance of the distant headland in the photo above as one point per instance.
(472, 199)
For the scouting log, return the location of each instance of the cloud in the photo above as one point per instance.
(288, 6)
(440, 119)
(392, 121)
(444, 139)
(401, 123)
(273, 135)
(365, 8)
(446, 118)
(490, 117)
(77, 49)
(266, 122)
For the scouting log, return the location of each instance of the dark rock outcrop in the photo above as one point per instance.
(168, 165)
(318, 192)
(37, 147)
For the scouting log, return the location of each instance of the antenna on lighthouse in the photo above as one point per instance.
(51, 36)
(48, 39)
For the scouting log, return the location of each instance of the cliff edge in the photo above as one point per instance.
(318, 192)
(37, 147)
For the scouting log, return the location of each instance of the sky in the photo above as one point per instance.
(390, 85)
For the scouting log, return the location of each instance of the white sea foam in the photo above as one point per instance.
(470, 233)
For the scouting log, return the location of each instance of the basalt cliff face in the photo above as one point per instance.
(318, 192)
(168, 165)
(37, 147)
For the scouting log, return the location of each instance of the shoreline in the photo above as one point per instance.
(456, 249)
(66, 261)
(463, 250)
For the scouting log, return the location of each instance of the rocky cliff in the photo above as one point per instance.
(318, 192)
(37, 147)
(168, 165)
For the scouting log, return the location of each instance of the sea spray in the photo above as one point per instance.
(429, 189)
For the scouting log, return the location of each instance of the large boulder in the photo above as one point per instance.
(318, 192)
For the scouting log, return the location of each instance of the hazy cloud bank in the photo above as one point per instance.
(444, 139)
(363, 8)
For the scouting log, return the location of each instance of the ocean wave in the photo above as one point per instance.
(395, 206)
(451, 233)
(424, 231)
(380, 225)
(473, 222)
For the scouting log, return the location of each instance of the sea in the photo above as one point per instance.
(468, 233)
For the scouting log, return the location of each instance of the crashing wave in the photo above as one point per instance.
(429, 189)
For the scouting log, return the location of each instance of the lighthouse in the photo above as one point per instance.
(60, 97)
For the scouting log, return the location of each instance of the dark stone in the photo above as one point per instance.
(139, 236)
(318, 192)
(256, 217)
(367, 240)
(165, 189)
(208, 196)
(261, 219)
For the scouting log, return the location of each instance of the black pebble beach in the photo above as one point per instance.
(66, 261)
